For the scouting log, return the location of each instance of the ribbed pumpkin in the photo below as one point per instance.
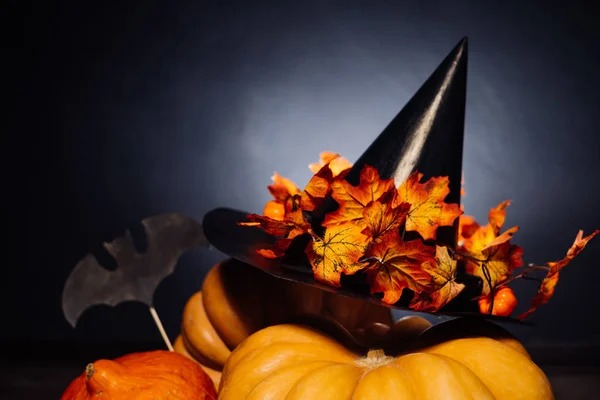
(236, 300)
(299, 362)
(159, 375)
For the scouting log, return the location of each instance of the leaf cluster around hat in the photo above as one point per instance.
(366, 233)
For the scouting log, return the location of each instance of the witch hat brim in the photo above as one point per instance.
(426, 135)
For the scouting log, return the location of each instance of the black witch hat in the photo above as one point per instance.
(426, 135)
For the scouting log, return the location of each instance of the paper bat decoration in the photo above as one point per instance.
(137, 275)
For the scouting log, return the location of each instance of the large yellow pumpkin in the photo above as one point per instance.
(237, 300)
(293, 361)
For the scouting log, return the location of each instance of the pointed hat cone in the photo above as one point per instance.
(426, 135)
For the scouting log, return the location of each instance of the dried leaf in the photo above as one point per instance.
(282, 188)
(336, 163)
(497, 215)
(490, 256)
(428, 210)
(380, 217)
(294, 223)
(499, 263)
(317, 189)
(503, 238)
(546, 290)
(395, 265)
(338, 251)
(279, 248)
(467, 226)
(578, 245)
(352, 200)
(442, 270)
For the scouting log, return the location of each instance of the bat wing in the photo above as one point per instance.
(90, 284)
(137, 275)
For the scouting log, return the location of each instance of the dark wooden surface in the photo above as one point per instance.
(43, 371)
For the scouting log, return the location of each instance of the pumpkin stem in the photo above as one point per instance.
(375, 353)
(89, 371)
(375, 358)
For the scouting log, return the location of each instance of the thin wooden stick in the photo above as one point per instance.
(161, 329)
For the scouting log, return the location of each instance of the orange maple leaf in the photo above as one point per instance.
(497, 216)
(272, 226)
(427, 207)
(352, 200)
(546, 290)
(380, 217)
(467, 226)
(577, 247)
(490, 254)
(442, 270)
(276, 250)
(282, 188)
(287, 229)
(394, 265)
(317, 189)
(498, 263)
(336, 163)
(338, 251)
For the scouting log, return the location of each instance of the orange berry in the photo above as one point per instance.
(275, 210)
(505, 302)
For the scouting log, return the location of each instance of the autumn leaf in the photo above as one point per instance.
(293, 225)
(394, 265)
(577, 247)
(467, 226)
(282, 188)
(428, 210)
(503, 238)
(380, 217)
(352, 200)
(338, 251)
(272, 226)
(331, 167)
(294, 222)
(545, 292)
(546, 289)
(276, 250)
(336, 163)
(317, 189)
(475, 238)
(498, 264)
(490, 255)
(442, 270)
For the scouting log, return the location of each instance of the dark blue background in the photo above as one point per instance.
(122, 112)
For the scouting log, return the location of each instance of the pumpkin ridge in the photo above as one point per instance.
(460, 378)
(317, 371)
(286, 370)
(279, 354)
(473, 364)
(300, 335)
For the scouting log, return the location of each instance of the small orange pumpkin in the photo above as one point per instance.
(299, 362)
(159, 375)
(237, 300)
